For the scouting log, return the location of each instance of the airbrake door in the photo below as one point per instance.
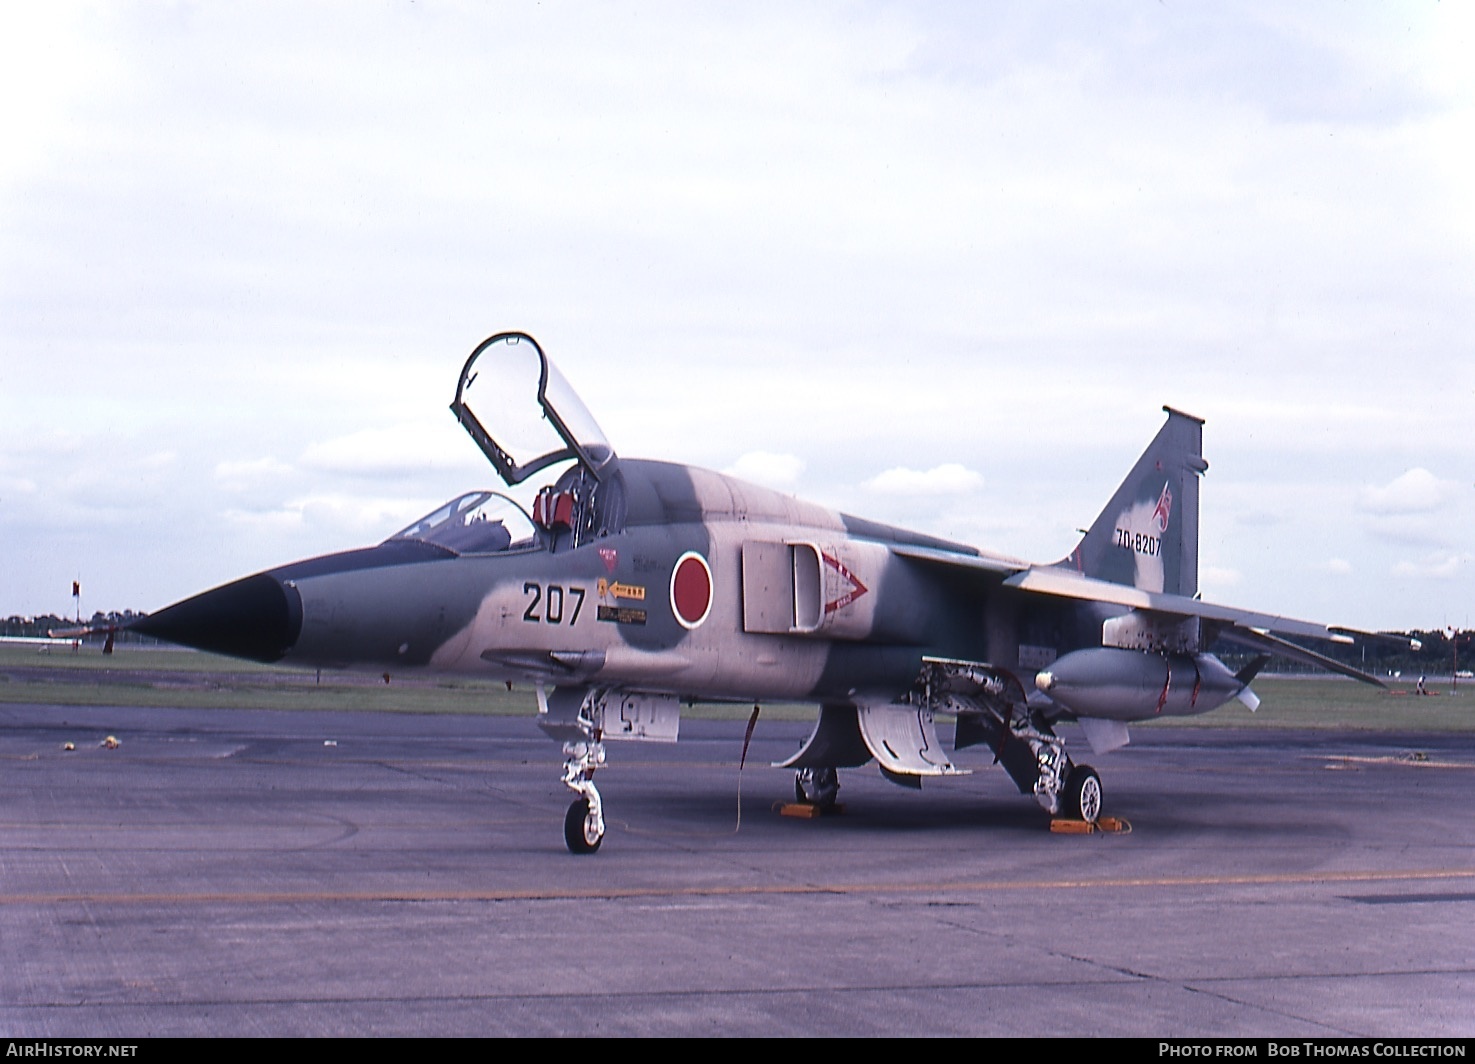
(802, 588)
(781, 588)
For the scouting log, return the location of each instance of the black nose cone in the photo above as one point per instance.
(256, 618)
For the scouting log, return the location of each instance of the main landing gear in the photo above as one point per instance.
(1065, 790)
(1081, 799)
(818, 787)
(992, 710)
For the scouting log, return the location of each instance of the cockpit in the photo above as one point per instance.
(525, 418)
(479, 522)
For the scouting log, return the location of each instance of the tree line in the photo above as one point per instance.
(42, 625)
(1441, 650)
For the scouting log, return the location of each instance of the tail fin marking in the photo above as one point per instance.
(1147, 536)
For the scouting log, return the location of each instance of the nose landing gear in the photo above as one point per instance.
(583, 824)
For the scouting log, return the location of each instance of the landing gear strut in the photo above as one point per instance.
(583, 825)
(576, 715)
(993, 710)
(1063, 788)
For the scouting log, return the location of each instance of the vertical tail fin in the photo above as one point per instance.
(1147, 536)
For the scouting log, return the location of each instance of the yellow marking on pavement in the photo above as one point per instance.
(260, 897)
(1416, 759)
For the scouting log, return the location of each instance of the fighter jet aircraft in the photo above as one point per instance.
(635, 587)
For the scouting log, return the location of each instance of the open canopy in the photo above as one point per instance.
(523, 414)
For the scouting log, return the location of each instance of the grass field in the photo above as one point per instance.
(133, 677)
(185, 678)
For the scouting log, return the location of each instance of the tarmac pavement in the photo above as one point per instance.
(263, 873)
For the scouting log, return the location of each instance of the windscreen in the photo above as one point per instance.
(479, 522)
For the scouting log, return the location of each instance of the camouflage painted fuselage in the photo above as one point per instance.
(850, 618)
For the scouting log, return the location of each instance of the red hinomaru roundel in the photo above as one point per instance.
(691, 589)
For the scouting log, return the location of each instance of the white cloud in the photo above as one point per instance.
(265, 521)
(358, 518)
(16, 485)
(1335, 567)
(1212, 578)
(342, 520)
(1410, 529)
(781, 471)
(157, 460)
(250, 473)
(388, 452)
(1440, 565)
(51, 58)
(1410, 509)
(112, 478)
(1416, 491)
(950, 478)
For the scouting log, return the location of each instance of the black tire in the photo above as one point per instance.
(824, 788)
(1082, 797)
(574, 835)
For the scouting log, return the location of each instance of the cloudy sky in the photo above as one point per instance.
(936, 264)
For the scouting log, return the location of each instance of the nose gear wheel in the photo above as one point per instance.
(583, 831)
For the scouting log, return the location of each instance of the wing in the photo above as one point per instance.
(1161, 611)
(1245, 627)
